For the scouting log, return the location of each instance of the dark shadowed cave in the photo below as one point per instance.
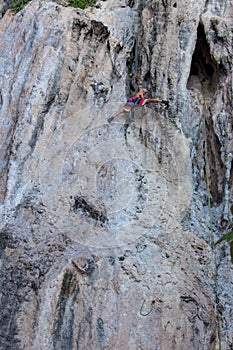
(204, 71)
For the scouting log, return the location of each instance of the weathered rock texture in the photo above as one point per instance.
(107, 230)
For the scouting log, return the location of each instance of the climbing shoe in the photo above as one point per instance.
(165, 102)
(110, 119)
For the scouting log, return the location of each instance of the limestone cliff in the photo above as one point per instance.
(108, 229)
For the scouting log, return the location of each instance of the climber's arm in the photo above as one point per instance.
(154, 100)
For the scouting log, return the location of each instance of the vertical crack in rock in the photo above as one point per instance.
(231, 175)
(36, 132)
(100, 330)
(85, 336)
(1, 100)
(6, 151)
(134, 60)
(216, 167)
(64, 315)
(205, 76)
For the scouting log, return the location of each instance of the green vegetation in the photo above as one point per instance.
(82, 4)
(19, 5)
(130, 62)
(228, 237)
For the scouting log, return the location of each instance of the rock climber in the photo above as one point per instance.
(137, 100)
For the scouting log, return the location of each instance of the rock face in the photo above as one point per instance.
(107, 229)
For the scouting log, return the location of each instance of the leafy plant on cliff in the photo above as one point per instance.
(19, 5)
(228, 237)
(82, 4)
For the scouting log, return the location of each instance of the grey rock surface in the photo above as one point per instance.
(108, 229)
